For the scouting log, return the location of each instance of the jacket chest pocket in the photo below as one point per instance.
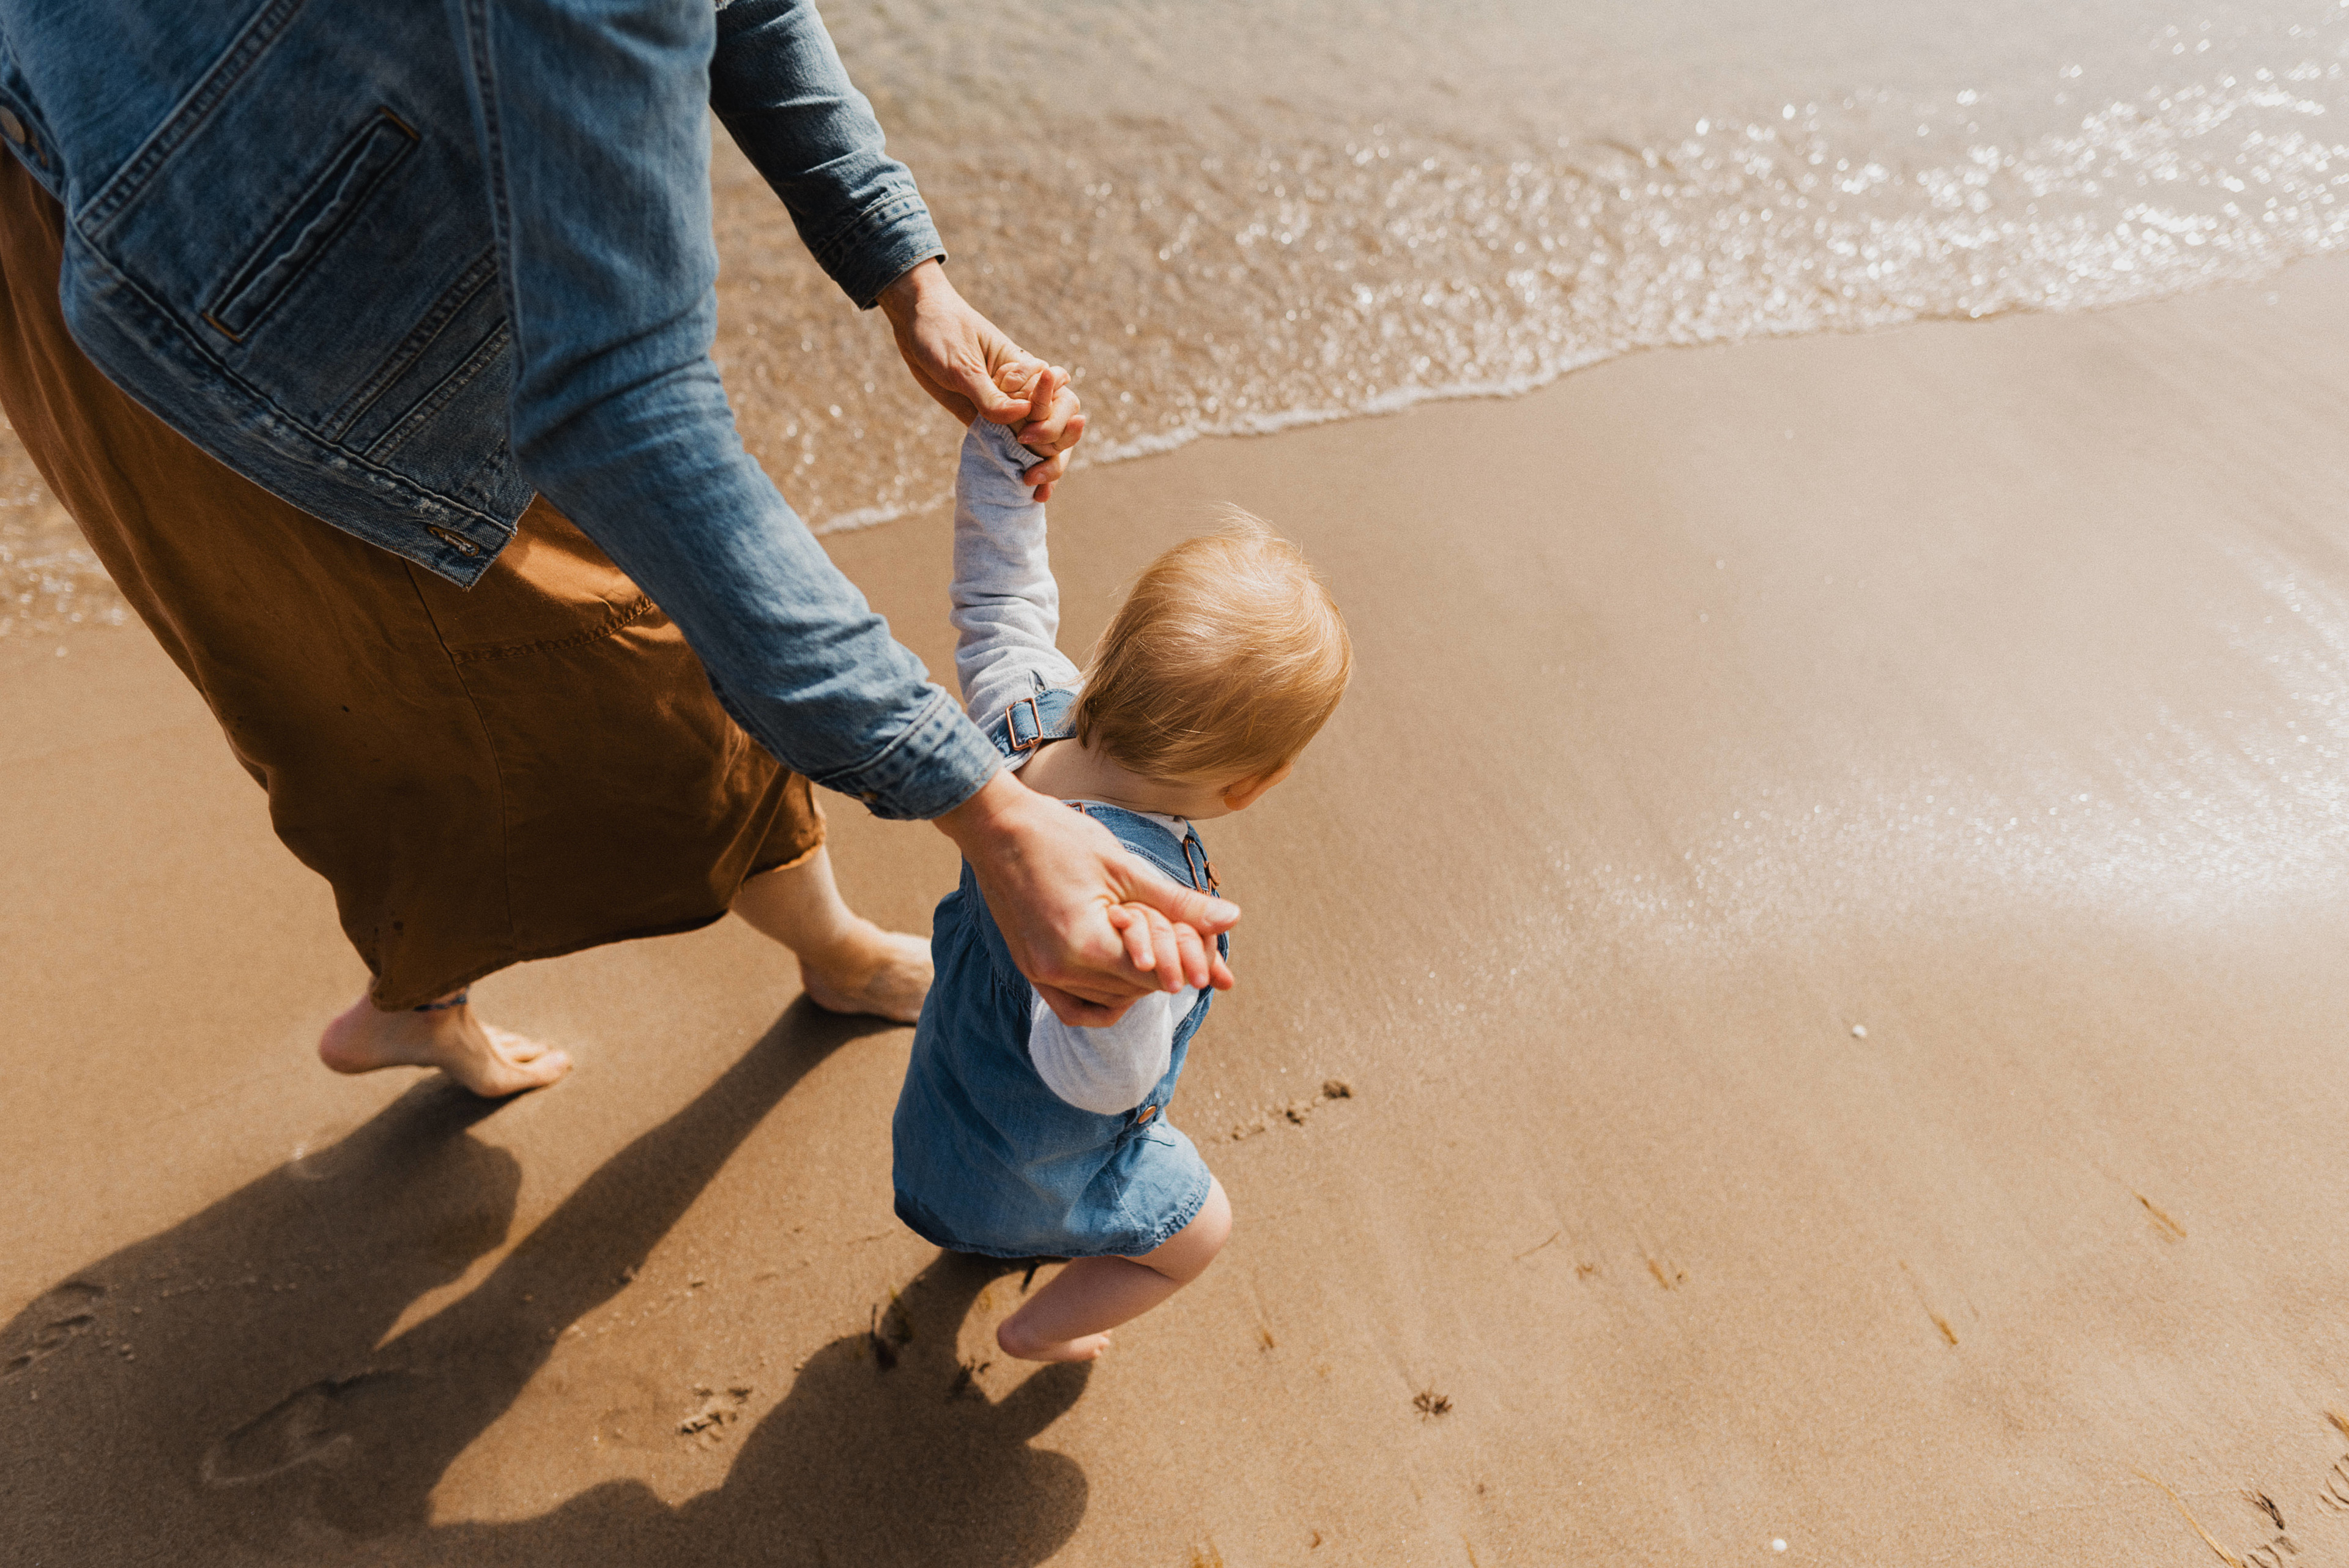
(323, 209)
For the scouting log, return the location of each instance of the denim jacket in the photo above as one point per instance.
(405, 263)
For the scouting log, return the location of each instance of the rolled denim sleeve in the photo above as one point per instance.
(593, 118)
(777, 84)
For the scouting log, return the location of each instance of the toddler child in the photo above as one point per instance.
(1018, 1136)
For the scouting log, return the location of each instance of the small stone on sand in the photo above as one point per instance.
(1778, 1544)
(1859, 1030)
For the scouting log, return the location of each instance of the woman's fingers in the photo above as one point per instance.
(1188, 920)
(974, 370)
(1044, 871)
(1183, 905)
(1013, 377)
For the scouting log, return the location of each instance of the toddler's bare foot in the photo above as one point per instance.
(1015, 1344)
(885, 973)
(489, 1061)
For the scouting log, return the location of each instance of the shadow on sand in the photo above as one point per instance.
(215, 1394)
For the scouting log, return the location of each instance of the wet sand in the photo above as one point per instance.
(1714, 707)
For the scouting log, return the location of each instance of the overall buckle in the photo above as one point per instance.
(1011, 723)
(1203, 874)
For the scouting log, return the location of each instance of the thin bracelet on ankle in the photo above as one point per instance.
(456, 1001)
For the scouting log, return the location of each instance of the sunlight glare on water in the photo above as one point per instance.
(1237, 217)
(1268, 215)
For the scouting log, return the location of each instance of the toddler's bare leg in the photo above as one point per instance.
(1070, 1317)
(487, 1060)
(847, 964)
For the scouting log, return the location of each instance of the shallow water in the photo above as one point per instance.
(1276, 215)
(1233, 218)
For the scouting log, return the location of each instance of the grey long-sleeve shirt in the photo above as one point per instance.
(1007, 618)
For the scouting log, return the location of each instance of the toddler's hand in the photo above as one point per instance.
(1055, 418)
(1176, 954)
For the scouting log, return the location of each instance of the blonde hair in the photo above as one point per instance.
(1226, 658)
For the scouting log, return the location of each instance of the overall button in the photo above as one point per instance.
(1147, 1112)
(456, 541)
(10, 127)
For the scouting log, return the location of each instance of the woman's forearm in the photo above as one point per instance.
(598, 158)
(778, 86)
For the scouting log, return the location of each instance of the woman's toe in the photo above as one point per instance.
(516, 1063)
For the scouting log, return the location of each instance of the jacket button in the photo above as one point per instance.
(10, 127)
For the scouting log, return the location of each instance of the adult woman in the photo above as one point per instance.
(400, 268)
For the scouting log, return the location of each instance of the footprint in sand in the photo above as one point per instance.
(313, 1424)
(68, 1316)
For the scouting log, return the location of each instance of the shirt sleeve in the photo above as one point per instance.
(1112, 1069)
(1007, 607)
(594, 125)
(777, 85)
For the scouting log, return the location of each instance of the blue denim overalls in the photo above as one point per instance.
(990, 1160)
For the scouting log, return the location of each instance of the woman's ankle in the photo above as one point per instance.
(489, 1061)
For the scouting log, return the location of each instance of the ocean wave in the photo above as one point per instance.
(1248, 275)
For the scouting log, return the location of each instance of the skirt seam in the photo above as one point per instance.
(497, 769)
(617, 620)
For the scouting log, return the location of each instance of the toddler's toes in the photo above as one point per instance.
(1013, 1342)
(1088, 1348)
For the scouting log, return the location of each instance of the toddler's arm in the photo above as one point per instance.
(1007, 607)
(1112, 1069)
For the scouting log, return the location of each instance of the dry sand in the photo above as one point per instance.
(1713, 707)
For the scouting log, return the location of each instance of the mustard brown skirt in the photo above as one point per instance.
(526, 768)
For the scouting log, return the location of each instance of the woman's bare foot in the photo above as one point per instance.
(1013, 1344)
(885, 973)
(492, 1062)
(847, 964)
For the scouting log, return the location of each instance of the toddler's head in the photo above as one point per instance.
(1226, 658)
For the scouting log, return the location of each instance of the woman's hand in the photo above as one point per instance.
(956, 356)
(1079, 913)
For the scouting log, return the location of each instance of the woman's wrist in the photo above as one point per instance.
(985, 815)
(919, 284)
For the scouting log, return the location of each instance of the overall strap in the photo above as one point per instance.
(1143, 837)
(1203, 874)
(1146, 839)
(1049, 714)
(1031, 721)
